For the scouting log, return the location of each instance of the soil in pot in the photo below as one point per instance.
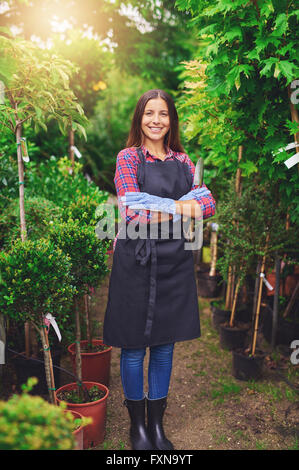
(95, 364)
(94, 348)
(71, 396)
(246, 367)
(94, 433)
(233, 337)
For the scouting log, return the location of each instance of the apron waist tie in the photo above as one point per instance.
(146, 250)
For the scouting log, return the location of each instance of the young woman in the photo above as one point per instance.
(152, 299)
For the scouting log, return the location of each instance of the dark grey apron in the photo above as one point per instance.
(152, 296)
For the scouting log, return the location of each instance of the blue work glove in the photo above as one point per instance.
(145, 201)
(195, 193)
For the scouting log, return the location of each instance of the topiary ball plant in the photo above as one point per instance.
(35, 279)
(88, 264)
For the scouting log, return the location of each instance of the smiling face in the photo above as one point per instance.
(155, 120)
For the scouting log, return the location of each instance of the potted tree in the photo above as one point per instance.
(237, 251)
(36, 90)
(88, 266)
(95, 355)
(247, 364)
(36, 281)
(269, 239)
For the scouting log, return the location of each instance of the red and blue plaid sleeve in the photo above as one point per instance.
(125, 180)
(207, 203)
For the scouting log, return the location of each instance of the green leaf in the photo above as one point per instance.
(287, 70)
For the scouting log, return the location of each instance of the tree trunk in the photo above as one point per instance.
(232, 317)
(22, 215)
(275, 303)
(21, 183)
(78, 350)
(71, 144)
(87, 321)
(48, 365)
(254, 337)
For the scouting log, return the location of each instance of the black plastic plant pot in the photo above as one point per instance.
(208, 286)
(220, 315)
(246, 367)
(287, 330)
(233, 337)
(29, 367)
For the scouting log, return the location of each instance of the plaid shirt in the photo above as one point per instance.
(125, 180)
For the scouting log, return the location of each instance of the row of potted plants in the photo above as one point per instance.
(49, 278)
(247, 235)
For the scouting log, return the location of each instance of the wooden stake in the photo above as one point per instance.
(292, 300)
(213, 245)
(228, 289)
(232, 316)
(259, 299)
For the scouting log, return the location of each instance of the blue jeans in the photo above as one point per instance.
(159, 371)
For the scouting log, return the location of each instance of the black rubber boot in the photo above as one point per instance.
(138, 431)
(155, 412)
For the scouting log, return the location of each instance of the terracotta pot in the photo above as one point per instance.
(287, 285)
(95, 365)
(78, 433)
(94, 433)
(290, 284)
(271, 279)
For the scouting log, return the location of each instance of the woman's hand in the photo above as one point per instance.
(189, 209)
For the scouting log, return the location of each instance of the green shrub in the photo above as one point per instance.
(86, 252)
(35, 279)
(82, 208)
(40, 212)
(30, 423)
(54, 180)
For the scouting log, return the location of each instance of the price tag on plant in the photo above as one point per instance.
(24, 149)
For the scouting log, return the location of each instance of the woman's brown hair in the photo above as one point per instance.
(172, 138)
